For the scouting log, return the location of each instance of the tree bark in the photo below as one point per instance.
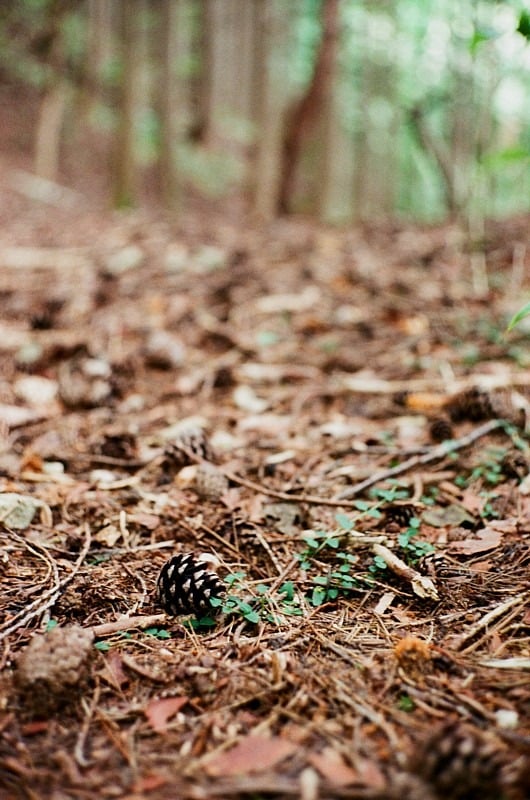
(124, 188)
(303, 116)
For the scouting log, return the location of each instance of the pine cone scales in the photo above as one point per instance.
(185, 586)
(53, 669)
(191, 441)
(459, 763)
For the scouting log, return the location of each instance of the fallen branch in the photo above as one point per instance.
(488, 618)
(421, 584)
(435, 454)
(127, 623)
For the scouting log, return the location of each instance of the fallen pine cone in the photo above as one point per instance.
(186, 586)
(54, 669)
(459, 762)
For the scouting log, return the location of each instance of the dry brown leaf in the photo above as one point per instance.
(333, 768)
(252, 754)
(149, 521)
(158, 712)
(485, 539)
(370, 774)
(113, 671)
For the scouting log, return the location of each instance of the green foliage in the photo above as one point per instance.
(523, 26)
(521, 314)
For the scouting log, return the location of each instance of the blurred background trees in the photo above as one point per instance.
(344, 109)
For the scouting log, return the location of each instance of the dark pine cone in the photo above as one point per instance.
(191, 441)
(515, 465)
(460, 763)
(185, 586)
(473, 404)
(441, 429)
(400, 513)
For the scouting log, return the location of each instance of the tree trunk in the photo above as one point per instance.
(303, 116)
(124, 188)
(167, 49)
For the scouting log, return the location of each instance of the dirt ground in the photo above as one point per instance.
(339, 421)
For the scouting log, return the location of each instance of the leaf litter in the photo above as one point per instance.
(376, 578)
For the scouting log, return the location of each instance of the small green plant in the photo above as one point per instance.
(521, 314)
(414, 548)
(158, 633)
(406, 703)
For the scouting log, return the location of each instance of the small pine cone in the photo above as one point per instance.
(473, 404)
(209, 482)
(414, 656)
(186, 586)
(441, 430)
(54, 669)
(191, 441)
(435, 565)
(400, 513)
(515, 465)
(460, 763)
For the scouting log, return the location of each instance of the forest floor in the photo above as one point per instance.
(317, 410)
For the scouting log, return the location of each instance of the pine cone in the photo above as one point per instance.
(472, 404)
(435, 565)
(185, 586)
(400, 513)
(190, 441)
(441, 430)
(54, 668)
(210, 483)
(515, 465)
(459, 763)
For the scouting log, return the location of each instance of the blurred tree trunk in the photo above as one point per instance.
(303, 116)
(99, 46)
(167, 100)
(201, 82)
(124, 166)
(269, 101)
(51, 113)
(336, 172)
(377, 148)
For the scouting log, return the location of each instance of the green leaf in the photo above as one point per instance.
(251, 616)
(318, 597)
(52, 623)
(103, 646)
(521, 314)
(344, 521)
(380, 562)
(524, 24)
(287, 589)
(403, 539)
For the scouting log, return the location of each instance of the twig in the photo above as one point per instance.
(51, 596)
(126, 623)
(436, 453)
(83, 733)
(421, 584)
(483, 623)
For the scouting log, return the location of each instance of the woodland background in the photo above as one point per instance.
(346, 110)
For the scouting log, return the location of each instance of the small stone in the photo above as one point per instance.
(164, 350)
(125, 259)
(35, 390)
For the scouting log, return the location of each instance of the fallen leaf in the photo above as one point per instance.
(450, 515)
(485, 539)
(370, 774)
(252, 754)
(149, 521)
(113, 670)
(149, 782)
(158, 712)
(332, 766)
